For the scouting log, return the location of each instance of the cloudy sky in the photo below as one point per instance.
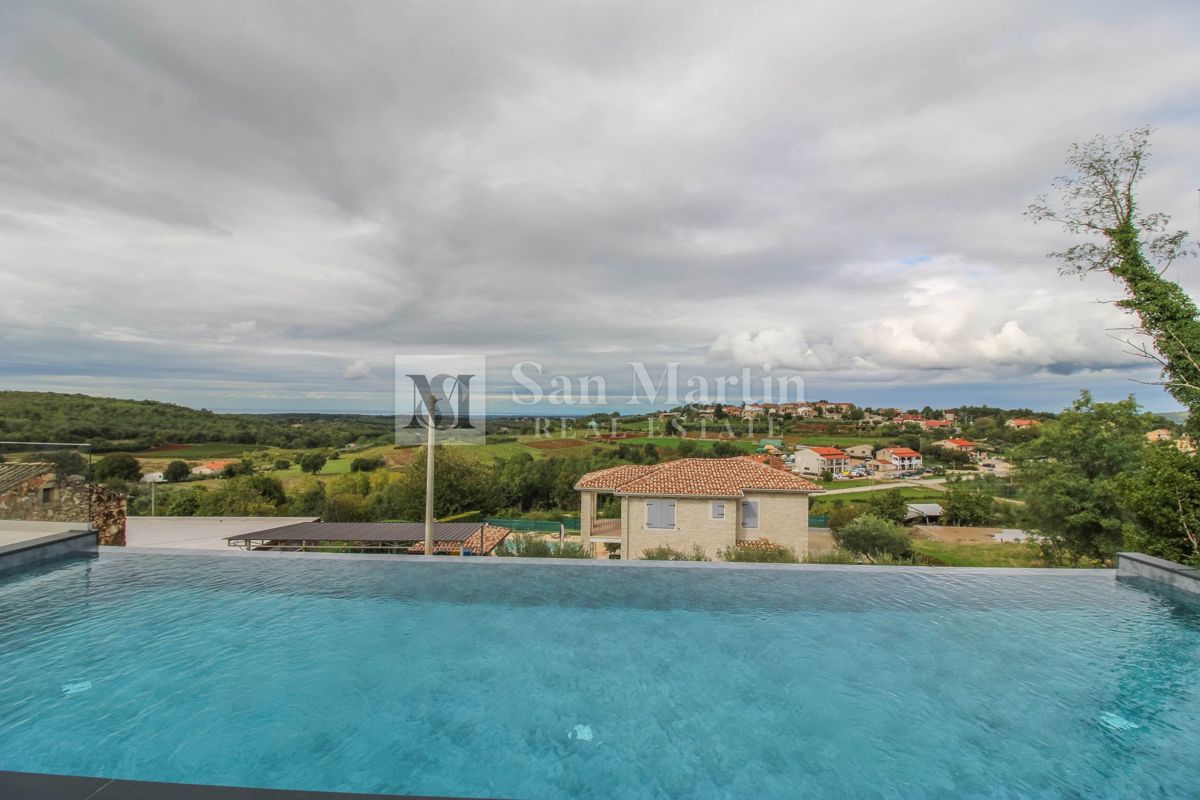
(257, 205)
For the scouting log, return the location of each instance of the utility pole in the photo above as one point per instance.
(431, 420)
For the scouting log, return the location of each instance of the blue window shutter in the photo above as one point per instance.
(668, 515)
(749, 514)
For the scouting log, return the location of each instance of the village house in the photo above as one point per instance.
(1159, 435)
(860, 451)
(960, 445)
(210, 468)
(1022, 424)
(714, 503)
(899, 458)
(936, 424)
(35, 492)
(815, 460)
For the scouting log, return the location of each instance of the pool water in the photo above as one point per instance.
(552, 680)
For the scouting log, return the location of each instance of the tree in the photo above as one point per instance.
(871, 535)
(66, 462)
(312, 463)
(282, 464)
(118, 467)
(176, 471)
(235, 469)
(964, 506)
(888, 504)
(723, 449)
(1069, 477)
(1163, 503)
(1098, 202)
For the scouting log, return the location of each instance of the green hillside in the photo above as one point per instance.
(110, 423)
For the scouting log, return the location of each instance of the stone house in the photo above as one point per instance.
(711, 502)
(34, 492)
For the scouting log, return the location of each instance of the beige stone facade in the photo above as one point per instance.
(782, 519)
(34, 493)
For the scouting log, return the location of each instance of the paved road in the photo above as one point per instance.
(937, 484)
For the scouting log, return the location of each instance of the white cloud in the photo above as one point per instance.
(357, 371)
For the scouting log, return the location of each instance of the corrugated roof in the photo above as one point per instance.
(363, 532)
(704, 477)
(15, 473)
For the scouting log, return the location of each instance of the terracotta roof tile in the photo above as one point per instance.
(613, 477)
(706, 477)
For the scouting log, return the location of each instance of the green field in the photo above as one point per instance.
(913, 494)
(964, 554)
(673, 442)
(201, 452)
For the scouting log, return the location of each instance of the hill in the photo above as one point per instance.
(110, 423)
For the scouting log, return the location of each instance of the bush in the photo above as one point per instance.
(238, 469)
(871, 536)
(666, 553)
(760, 551)
(366, 464)
(843, 515)
(312, 463)
(176, 471)
(525, 545)
(282, 464)
(118, 467)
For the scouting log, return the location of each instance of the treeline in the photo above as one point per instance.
(517, 485)
(113, 424)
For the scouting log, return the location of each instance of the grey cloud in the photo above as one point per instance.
(583, 184)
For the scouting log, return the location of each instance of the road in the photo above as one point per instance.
(936, 484)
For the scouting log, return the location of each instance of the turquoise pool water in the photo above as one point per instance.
(551, 681)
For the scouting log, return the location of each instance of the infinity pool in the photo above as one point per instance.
(553, 680)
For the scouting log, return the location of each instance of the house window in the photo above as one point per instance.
(717, 510)
(749, 513)
(47, 495)
(660, 514)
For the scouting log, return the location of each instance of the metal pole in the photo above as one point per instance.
(152, 485)
(429, 480)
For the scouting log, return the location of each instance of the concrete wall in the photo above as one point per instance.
(782, 518)
(807, 462)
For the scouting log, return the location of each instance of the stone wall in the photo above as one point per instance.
(48, 498)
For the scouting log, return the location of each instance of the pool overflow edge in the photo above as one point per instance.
(1140, 565)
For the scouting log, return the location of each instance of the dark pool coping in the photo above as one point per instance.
(1140, 565)
(43, 549)
(600, 563)
(37, 786)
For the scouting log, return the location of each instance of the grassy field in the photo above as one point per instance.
(673, 442)
(201, 452)
(912, 494)
(962, 554)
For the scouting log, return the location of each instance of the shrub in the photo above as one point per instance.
(118, 467)
(282, 464)
(760, 551)
(666, 553)
(176, 471)
(366, 464)
(844, 514)
(525, 545)
(312, 463)
(872, 536)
